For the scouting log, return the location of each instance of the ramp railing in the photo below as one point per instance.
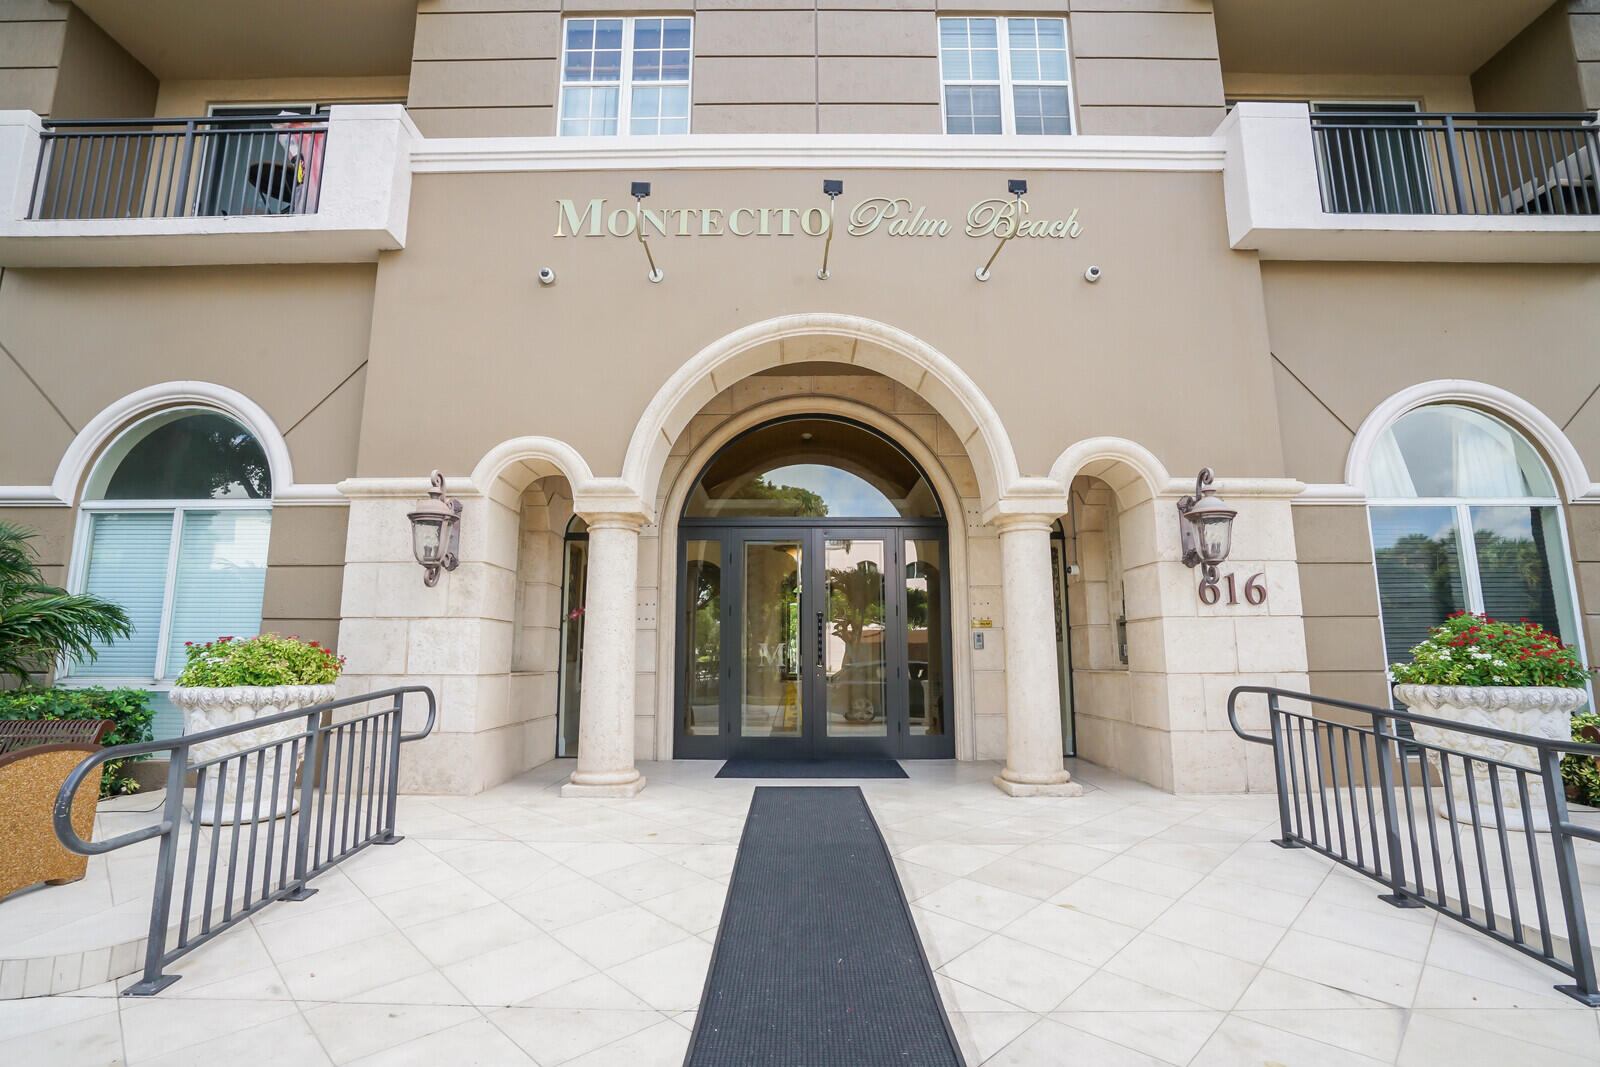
(264, 820)
(1480, 832)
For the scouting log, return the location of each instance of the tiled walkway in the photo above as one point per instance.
(1123, 927)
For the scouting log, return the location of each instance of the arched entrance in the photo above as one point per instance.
(813, 601)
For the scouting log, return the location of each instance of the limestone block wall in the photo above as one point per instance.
(1094, 602)
(1163, 717)
(456, 637)
(536, 644)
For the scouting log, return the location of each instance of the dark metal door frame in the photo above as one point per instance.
(811, 534)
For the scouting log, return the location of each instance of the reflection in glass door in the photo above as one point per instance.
(854, 621)
(772, 701)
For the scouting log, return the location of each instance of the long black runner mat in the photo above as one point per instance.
(812, 768)
(817, 962)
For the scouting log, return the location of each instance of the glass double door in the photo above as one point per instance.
(796, 643)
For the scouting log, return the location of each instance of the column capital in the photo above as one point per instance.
(1013, 522)
(1027, 502)
(611, 504)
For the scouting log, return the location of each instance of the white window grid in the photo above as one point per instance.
(1467, 549)
(161, 677)
(1007, 82)
(624, 83)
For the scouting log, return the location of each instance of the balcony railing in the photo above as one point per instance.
(1389, 162)
(179, 168)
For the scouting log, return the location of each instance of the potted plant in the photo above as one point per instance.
(1507, 676)
(229, 681)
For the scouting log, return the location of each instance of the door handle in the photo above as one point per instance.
(821, 638)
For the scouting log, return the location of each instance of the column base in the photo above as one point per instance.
(622, 790)
(1065, 788)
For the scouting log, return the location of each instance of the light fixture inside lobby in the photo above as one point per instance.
(1205, 527)
(1017, 187)
(831, 188)
(640, 191)
(436, 531)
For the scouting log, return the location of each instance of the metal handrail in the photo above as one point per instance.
(334, 796)
(1488, 795)
(1450, 163)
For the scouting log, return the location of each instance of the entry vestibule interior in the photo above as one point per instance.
(813, 612)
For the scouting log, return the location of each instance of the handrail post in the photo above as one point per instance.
(310, 765)
(1555, 799)
(392, 788)
(1454, 154)
(1275, 721)
(187, 148)
(155, 950)
(1397, 879)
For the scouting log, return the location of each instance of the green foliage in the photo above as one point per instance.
(1578, 771)
(128, 709)
(40, 623)
(1477, 650)
(265, 660)
(789, 499)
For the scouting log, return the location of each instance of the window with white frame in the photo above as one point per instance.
(174, 527)
(1005, 75)
(627, 75)
(1465, 517)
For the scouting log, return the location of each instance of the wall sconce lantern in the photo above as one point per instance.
(436, 531)
(1205, 525)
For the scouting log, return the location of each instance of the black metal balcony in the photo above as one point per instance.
(1388, 161)
(267, 164)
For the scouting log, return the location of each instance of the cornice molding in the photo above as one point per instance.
(447, 155)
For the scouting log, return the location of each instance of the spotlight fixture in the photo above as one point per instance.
(831, 188)
(639, 191)
(1017, 187)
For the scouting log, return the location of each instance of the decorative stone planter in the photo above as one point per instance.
(1540, 711)
(207, 709)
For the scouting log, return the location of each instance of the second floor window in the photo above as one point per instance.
(1005, 75)
(625, 75)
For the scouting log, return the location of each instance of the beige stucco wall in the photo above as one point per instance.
(55, 61)
(1537, 70)
(292, 339)
(189, 97)
(841, 66)
(1434, 92)
(1346, 336)
(463, 330)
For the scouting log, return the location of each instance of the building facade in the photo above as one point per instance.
(817, 379)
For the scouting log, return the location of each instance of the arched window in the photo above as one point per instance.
(174, 526)
(1465, 517)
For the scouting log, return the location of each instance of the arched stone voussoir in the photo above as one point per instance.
(876, 346)
(508, 468)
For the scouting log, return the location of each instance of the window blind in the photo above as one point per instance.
(222, 570)
(128, 566)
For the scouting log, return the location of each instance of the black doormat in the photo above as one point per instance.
(811, 768)
(817, 962)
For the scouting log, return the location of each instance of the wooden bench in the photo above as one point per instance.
(35, 758)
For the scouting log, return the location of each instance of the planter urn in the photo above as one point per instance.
(1540, 711)
(206, 708)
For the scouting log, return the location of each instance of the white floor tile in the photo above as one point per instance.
(556, 1035)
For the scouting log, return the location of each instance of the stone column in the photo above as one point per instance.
(605, 724)
(1033, 698)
